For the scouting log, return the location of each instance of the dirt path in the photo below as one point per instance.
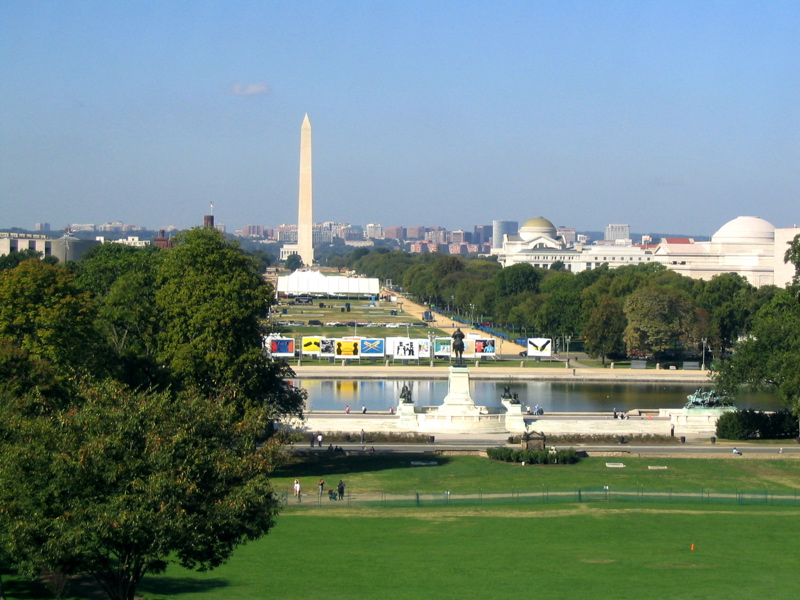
(506, 347)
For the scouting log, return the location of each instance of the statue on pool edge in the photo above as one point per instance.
(458, 345)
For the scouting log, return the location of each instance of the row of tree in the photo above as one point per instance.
(638, 309)
(137, 411)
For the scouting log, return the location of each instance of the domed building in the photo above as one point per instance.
(749, 246)
(539, 245)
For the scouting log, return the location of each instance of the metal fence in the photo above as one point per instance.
(545, 495)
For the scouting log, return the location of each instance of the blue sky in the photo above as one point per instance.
(670, 116)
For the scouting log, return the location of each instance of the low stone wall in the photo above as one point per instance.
(551, 424)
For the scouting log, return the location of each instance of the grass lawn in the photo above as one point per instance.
(571, 552)
(393, 473)
(558, 550)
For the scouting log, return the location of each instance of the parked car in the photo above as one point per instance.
(315, 322)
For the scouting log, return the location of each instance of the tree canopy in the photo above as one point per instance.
(137, 411)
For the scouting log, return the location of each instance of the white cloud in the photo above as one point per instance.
(250, 89)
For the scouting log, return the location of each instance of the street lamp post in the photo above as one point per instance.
(703, 367)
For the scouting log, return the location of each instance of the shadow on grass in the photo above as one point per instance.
(166, 587)
(327, 463)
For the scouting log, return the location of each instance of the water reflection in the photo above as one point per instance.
(379, 395)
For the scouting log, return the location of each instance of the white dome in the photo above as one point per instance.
(535, 227)
(745, 229)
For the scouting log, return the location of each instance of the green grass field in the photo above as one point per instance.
(560, 550)
(568, 552)
(393, 473)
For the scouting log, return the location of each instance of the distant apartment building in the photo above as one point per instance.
(417, 232)
(568, 234)
(287, 234)
(256, 231)
(42, 227)
(131, 240)
(436, 234)
(82, 227)
(460, 237)
(394, 233)
(618, 232)
(374, 230)
(482, 234)
(501, 228)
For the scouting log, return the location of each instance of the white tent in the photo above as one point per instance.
(314, 283)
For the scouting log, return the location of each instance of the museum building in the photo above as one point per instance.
(749, 246)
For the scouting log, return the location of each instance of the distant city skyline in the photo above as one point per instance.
(668, 116)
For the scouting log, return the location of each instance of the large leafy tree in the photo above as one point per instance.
(659, 319)
(603, 333)
(769, 358)
(45, 313)
(726, 298)
(122, 280)
(116, 483)
(211, 301)
(102, 478)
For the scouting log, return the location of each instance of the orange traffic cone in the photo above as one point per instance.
(692, 548)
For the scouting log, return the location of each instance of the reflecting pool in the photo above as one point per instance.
(552, 396)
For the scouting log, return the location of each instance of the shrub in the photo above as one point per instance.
(566, 456)
(750, 424)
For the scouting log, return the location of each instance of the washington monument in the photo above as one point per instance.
(305, 222)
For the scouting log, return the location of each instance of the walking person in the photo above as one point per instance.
(321, 486)
(319, 440)
(297, 489)
(363, 436)
(340, 489)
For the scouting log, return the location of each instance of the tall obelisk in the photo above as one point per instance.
(305, 223)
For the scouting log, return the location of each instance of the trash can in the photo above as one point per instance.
(683, 439)
(713, 440)
(431, 439)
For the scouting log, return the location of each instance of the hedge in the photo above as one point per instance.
(751, 424)
(566, 456)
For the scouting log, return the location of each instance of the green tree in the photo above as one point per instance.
(792, 255)
(517, 278)
(293, 262)
(44, 312)
(211, 301)
(117, 483)
(726, 299)
(122, 279)
(769, 358)
(659, 319)
(11, 260)
(603, 333)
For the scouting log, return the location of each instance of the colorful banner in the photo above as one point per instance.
(372, 347)
(327, 347)
(402, 348)
(311, 345)
(485, 347)
(281, 347)
(346, 348)
(443, 347)
(540, 347)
